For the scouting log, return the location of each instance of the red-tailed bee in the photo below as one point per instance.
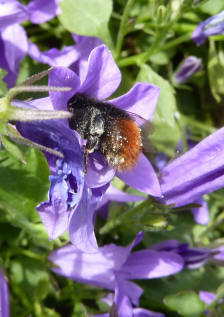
(107, 129)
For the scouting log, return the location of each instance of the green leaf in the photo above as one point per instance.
(23, 187)
(186, 303)
(216, 71)
(87, 17)
(13, 148)
(3, 87)
(212, 7)
(166, 134)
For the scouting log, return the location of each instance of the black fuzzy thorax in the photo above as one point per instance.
(87, 111)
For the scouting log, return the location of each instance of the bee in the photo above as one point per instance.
(111, 131)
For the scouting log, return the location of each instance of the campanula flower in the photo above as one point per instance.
(113, 267)
(99, 78)
(187, 69)
(193, 257)
(212, 26)
(4, 296)
(197, 172)
(14, 43)
(125, 308)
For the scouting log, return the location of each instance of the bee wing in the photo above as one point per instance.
(147, 128)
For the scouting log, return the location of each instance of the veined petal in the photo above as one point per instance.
(81, 226)
(197, 172)
(90, 268)
(212, 26)
(141, 100)
(61, 77)
(142, 177)
(103, 76)
(152, 264)
(54, 213)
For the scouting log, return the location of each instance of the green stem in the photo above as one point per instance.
(137, 59)
(123, 24)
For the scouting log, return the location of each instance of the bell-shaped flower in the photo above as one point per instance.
(112, 267)
(212, 26)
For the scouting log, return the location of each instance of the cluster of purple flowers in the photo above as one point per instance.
(75, 196)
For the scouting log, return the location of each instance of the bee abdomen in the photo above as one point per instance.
(122, 144)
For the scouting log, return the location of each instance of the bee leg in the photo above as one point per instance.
(85, 159)
(90, 147)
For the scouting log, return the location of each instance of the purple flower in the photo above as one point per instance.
(124, 307)
(14, 43)
(207, 297)
(4, 296)
(193, 257)
(188, 68)
(195, 173)
(99, 79)
(69, 55)
(212, 26)
(112, 267)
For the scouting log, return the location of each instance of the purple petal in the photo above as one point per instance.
(54, 213)
(115, 194)
(15, 44)
(4, 297)
(207, 297)
(54, 57)
(212, 26)
(41, 10)
(142, 177)
(81, 226)
(42, 103)
(62, 77)
(99, 172)
(122, 301)
(141, 100)
(84, 46)
(188, 68)
(133, 291)
(90, 268)
(197, 172)
(103, 76)
(12, 12)
(152, 264)
(201, 214)
(141, 312)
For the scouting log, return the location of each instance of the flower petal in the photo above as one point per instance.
(12, 12)
(41, 10)
(4, 297)
(62, 77)
(141, 312)
(142, 177)
(99, 173)
(152, 264)
(54, 214)
(54, 56)
(197, 172)
(90, 268)
(212, 26)
(103, 76)
(201, 214)
(141, 100)
(81, 226)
